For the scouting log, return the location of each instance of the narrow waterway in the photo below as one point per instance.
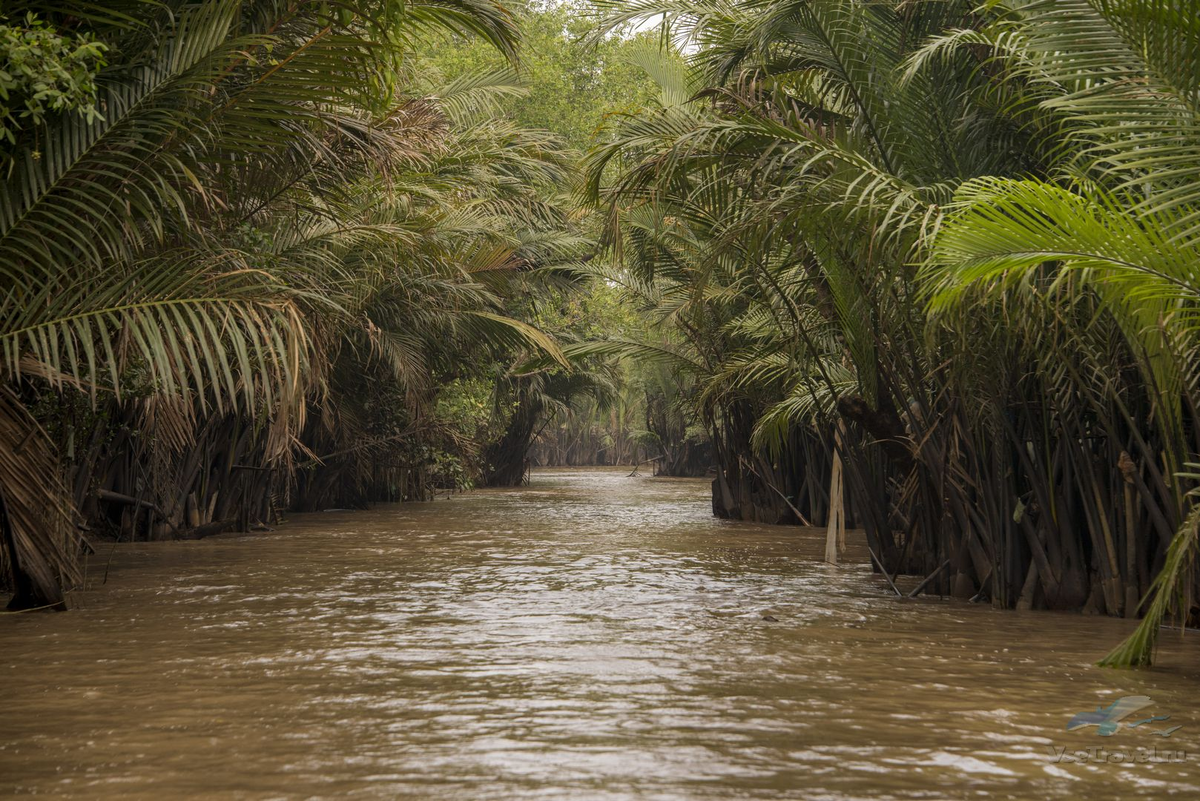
(589, 636)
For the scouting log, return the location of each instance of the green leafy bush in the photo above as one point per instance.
(43, 72)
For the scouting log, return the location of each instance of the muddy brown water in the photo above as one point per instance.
(589, 636)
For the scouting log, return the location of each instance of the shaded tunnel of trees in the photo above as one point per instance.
(927, 268)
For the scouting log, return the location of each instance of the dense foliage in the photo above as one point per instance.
(950, 249)
(235, 282)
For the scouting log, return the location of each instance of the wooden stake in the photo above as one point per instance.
(835, 533)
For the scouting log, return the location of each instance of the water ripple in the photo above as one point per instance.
(589, 636)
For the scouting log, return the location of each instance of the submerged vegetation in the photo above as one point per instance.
(926, 267)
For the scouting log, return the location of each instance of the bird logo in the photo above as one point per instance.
(1108, 720)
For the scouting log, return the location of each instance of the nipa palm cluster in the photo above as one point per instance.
(941, 254)
(233, 283)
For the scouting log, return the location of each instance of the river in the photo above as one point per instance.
(589, 636)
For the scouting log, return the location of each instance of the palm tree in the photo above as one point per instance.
(264, 186)
(777, 209)
(1116, 220)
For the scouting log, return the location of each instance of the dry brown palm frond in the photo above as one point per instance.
(36, 517)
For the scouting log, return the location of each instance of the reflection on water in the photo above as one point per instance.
(588, 636)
